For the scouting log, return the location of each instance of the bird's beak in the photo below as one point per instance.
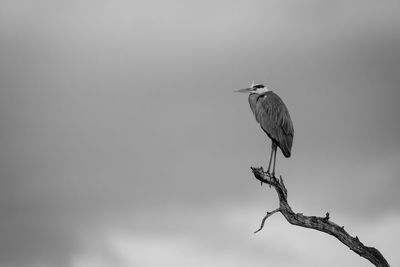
(244, 90)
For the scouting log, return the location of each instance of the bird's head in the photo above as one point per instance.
(255, 88)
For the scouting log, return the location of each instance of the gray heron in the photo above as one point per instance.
(273, 116)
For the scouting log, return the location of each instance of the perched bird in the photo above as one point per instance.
(273, 116)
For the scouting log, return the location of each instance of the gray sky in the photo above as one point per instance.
(123, 144)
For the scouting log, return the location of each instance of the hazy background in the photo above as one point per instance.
(122, 143)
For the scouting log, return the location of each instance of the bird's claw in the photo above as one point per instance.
(271, 175)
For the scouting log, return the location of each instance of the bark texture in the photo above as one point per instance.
(322, 224)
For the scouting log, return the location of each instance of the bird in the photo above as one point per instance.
(274, 118)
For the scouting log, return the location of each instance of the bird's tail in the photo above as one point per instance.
(286, 147)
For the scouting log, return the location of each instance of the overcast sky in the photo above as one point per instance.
(123, 144)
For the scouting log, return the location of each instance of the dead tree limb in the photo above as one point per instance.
(322, 224)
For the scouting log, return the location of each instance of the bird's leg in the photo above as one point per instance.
(274, 149)
(270, 158)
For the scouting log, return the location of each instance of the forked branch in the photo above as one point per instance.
(322, 224)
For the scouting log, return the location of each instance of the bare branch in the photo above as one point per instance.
(265, 218)
(322, 224)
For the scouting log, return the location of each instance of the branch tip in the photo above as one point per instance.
(265, 218)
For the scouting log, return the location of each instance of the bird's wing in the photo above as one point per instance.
(274, 118)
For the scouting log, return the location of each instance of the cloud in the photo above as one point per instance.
(232, 243)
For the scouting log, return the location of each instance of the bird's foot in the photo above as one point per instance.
(272, 175)
(269, 175)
